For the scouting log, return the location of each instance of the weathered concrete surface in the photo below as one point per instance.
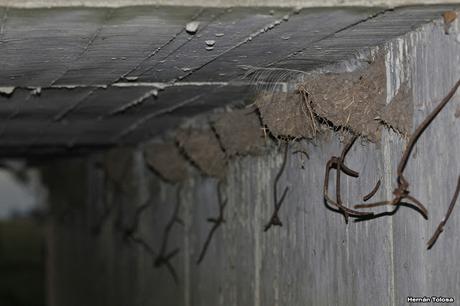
(110, 211)
(216, 3)
(300, 263)
(432, 73)
(314, 258)
(110, 76)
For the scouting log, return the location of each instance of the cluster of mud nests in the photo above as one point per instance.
(352, 102)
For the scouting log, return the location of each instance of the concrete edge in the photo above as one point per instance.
(215, 3)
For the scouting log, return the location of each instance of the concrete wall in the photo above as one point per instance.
(313, 259)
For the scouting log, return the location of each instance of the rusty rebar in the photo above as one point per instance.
(164, 257)
(274, 219)
(441, 225)
(338, 163)
(376, 188)
(216, 223)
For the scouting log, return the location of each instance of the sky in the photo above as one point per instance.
(15, 196)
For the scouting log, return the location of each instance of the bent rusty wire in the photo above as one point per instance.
(402, 192)
(338, 164)
(441, 225)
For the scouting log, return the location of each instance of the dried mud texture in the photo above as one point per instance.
(448, 17)
(352, 100)
(119, 165)
(398, 113)
(285, 115)
(166, 160)
(240, 132)
(203, 149)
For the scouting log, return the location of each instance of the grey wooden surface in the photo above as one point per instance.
(314, 259)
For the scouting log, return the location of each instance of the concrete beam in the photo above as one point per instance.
(122, 76)
(215, 3)
(114, 219)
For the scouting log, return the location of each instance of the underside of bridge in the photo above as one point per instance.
(152, 124)
(84, 78)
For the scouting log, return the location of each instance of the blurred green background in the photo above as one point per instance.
(22, 237)
(22, 263)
